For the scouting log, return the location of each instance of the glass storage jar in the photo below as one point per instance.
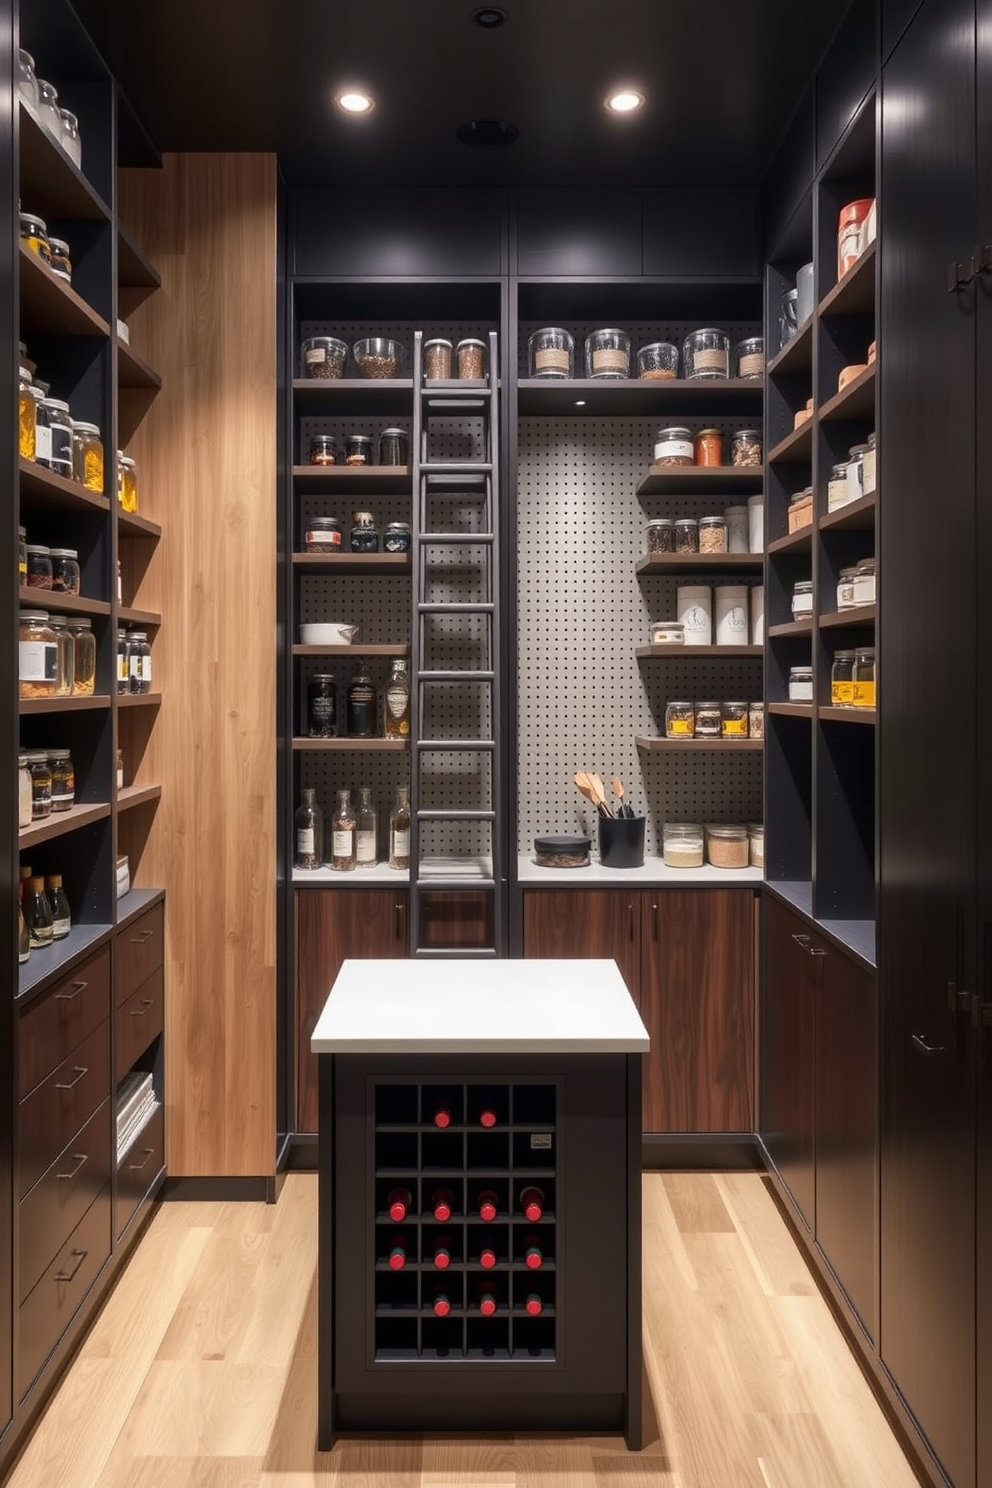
(856, 473)
(842, 679)
(66, 655)
(686, 535)
(34, 235)
(800, 684)
(53, 437)
(658, 362)
(708, 720)
(63, 779)
(358, 449)
(550, 353)
(22, 555)
(139, 662)
(48, 109)
(749, 357)
(323, 358)
(745, 449)
(41, 784)
(65, 570)
(60, 258)
(23, 791)
(322, 449)
(802, 599)
(733, 720)
(673, 446)
(837, 486)
(378, 357)
(69, 136)
(682, 844)
(756, 720)
(27, 79)
(788, 316)
(608, 353)
(122, 662)
(364, 537)
(470, 357)
(667, 633)
(322, 706)
(869, 468)
(396, 538)
(437, 359)
(84, 657)
(87, 455)
(680, 720)
(394, 447)
(727, 845)
(712, 535)
(738, 523)
(706, 354)
(660, 535)
(864, 582)
(756, 844)
(845, 588)
(707, 447)
(25, 415)
(37, 656)
(323, 535)
(864, 677)
(127, 484)
(39, 574)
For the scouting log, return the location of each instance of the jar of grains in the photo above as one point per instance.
(358, 449)
(756, 844)
(550, 352)
(745, 449)
(673, 446)
(658, 362)
(37, 656)
(661, 535)
(394, 447)
(437, 359)
(322, 450)
(323, 535)
(323, 357)
(756, 720)
(39, 575)
(708, 720)
(712, 535)
(749, 357)
(727, 845)
(470, 355)
(682, 844)
(686, 535)
(680, 720)
(707, 447)
(706, 354)
(608, 354)
(733, 720)
(800, 684)
(842, 679)
(864, 677)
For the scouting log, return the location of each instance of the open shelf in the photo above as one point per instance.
(793, 542)
(302, 745)
(791, 628)
(352, 563)
(95, 702)
(137, 277)
(380, 480)
(856, 401)
(133, 371)
(353, 395)
(855, 293)
(702, 480)
(684, 563)
(139, 617)
(796, 355)
(137, 795)
(731, 745)
(555, 397)
(50, 492)
(847, 715)
(849, 619)
(790, 710)
(370, 650)
(129, 524)
(139, 699)
(795, 446)
(857, 516)
(60, 822)
(50, 306)
(50, 183)
(714, 652)
(62, 604)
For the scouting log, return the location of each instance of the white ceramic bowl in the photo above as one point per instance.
(326, 633)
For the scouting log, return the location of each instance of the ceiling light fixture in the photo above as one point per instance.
(489, 17)
(354, 101)
(580, 402)
(624, 101)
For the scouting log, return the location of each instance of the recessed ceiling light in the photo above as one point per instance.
(624, 101)
(580, 402)
(354, 101)
(489, 17)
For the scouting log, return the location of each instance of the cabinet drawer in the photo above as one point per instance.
(48, 1310)
(138, 950)
(58, 1201)
(62, 1105)
(139, 1167)
(53, 1026)
(138, 1021)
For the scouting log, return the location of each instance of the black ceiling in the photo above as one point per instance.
(721, 77)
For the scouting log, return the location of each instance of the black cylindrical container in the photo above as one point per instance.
(322, 706)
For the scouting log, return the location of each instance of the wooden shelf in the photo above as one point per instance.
(379, 480)
(137, 795)
(50, 306)
(353, 396)
(793, 542)
(701, 480)
(847, 715)
(351, 563)
(679, 563)
(139, 617)
(50, 184)
(357, 650)
(790, 710)
(731, 745)
(138, 699)
(133, 371)
(791, 628)
(795, 446)
(62, 604)
(796, 355)
(849, 619)
(857, 401)
(555, 397)
(60, 822)
(855, 293)
(95, 702)
(376, 745)
(137, 277)
(130, 524)
(856, 515)
(47, 491)
(714, 652)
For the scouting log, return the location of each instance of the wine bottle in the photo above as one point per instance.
(442, 1253)
(532, 1203)
(441, 1304)
(38, 913)
(487, 1301)
(533, 1257)
(488, 1205)
(487, 1259)
(533, 1305)
(487, 1117)
(442, 1117)
(397, 1254)
(443, 1204)
(399, 830)
(398, 1202)
(61, 914)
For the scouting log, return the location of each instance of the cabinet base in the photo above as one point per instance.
(700, 1151)
(428, 1412)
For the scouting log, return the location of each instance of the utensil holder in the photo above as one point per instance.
(621, 841)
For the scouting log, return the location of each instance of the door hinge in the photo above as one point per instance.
(981, 260)
(959, 276)
(981, 1013)
(958, 1001)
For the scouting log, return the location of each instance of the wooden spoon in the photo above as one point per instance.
(584, 785)
(599, 795)
(617, 785)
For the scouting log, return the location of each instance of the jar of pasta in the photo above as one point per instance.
(864, 677)
(25, 415)
(127, 483)
(34, 235)
(84, 658)
(87, 455)
(842, 679)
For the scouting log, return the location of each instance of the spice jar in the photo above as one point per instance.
(23, 791)
(437, 359)
(845, 588)
(708, 720)
(682, 844)
(470, 354)
(34, 235)
(61, 262)
(48, 109)
(749, 357)
(84, 657)
(756, 844)
(322, 449)
(122, 661)
(39, 574)
(660, 535)
(53, 436)
(550, 352)
(708, 447)
(869, 476)
(864, 677)
(66, 648)
(727, 846)
(41, 784)
(358, 449)
(673, 446)
(706, 354)
(361, 704)
(323, 357)
(323, 535)
(667, 633)
(686, 535)
(397, 538)
(712, 535)
(25, 415)
(802, 599)
(680, 720)
(864, 582)
(837, 487)
(394, 447)
(65, 570)
(69, 135)
(87, 455)
(322, 706)
(756, 720)
(855, 472)
(139, 663)
(37, 656)
(842, 679)
(733, 720)
(745, 449)
(658, 362)
(22, 556)
(127, 483)
(608, 353)
(63, 779)
(364, 537)
(800, 684)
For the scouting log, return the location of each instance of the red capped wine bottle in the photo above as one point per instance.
(442, 1253)
(441, 1304)
(442, 1116)
(487, 1116)
(533, 1258)
(398, 1202)
(443, 1204)
(487, 1301)
(532, 1203)
(397, 1254)
(488, 1205)
(487, 1259)
(534, 1305)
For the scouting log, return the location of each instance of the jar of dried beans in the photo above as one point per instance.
(712, 535)
(550, 352)
(673, 446)
(470, 355)
(608, 353)
(745, 449)
(706, 354)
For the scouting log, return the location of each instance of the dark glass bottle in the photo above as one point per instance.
(322, 706)
(61, 914)
(361, 705)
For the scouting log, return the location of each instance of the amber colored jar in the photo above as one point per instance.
(87, 456)
(127, 484)
(25, 414)
(708, 447)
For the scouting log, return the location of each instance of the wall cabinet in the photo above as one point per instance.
(687, 956)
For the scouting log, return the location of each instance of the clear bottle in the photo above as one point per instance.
(66, 650)
(344, 856)
(139, 662)
(84, 657)
(399, 830)
(38, 913)
(309, 825)
(366, 835)
(23, 937)
(397, 708)
(61, 913)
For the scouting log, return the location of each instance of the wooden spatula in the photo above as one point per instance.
(617, 785)
(599, 794)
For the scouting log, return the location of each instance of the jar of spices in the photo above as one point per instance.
(842, 679)
(749, 357)
(661, 535)
(869, 476)
(864, 582)
(39, 566)
(470, 354)
(682, 844)
(27, 79)
(550, 352)
(855, 473)
(680, 720)
(123, 678)
(397, 538)
(802, 599)
(686, 535)
(837, 487)
(706, 354)
(60, 260)
(673, 446)
(66, 647)
(708, 720)
(41, 784)
(364, 537)
(25, 415)
(84, 657)
(87, 455)
(845, 588)
(65, 570)
(394, 447)
(139, 662)
(22, 556)
(756, 720)
(322, 706)
(323, 357)
(800, 684)
(63, 779)
(127, 483)
(323, 535)
(658, 362)
(48, 109)
(437, 359)
(745, 449)
(708, 447)
(53, 437)
(358, 449)
(361, 704)
(712, 535)
(322, 449)
(608, 353)
(23, 791)
(733, 720)
(738, 529)
(727, 846)
(34, 235)
(69, 135)
(756, 844)
(864, 677)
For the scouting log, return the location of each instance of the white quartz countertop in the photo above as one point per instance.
(652, 874)
(468, 1006)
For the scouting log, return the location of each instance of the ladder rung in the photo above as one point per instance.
(449, 401)
(465, 538)
(474, 953)
(428, 884)
(457, 609)
(456, 467)
(456, 676)
(456, 746)
(452, 814)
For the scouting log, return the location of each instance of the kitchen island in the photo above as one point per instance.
(480, 1198)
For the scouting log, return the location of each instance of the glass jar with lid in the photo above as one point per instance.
(322, 706)
(855, 472)
(745, 449)
(686, 535)
(749, 357)
(551, 352)
(364, 537)
(127, 483)
(682, 844)
(842, 679)
(323, 357)
(358, 449)
(39, 561)
(34, 235)
(712, 535)
(123, 642)
(756, 720)
(837, 486)
(69, 135)
(323, 535)
(23, 791)
(87, 455)
(63, 779)
(658, 362)
(756, 844)
(845, 588)
(733, 720)
(139, 662)
(322, 449)
(66, 655)
(37, 656)
(48, 109)
(41, 784)
(660, 535)
(707, 447)
(673, 446)
(864, 677)
(680, 720)
(53, 437)
(706, 354)
(437, 359)
(25, 415)
(61, 259)
(470, 355)
(394, 447)
(802, 599)
(708, 720)
(864, 582)
(27, 79)
(65, 570)
(727, 845)
(84, 657)
(396, 538)
(800, 684)
(608, 353)
(869, 468)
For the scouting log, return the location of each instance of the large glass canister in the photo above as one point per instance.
(37, 656)
(66, 644)
(608, 353)
(84, 660)
(550, 353)
(706, 354)
(87, 456)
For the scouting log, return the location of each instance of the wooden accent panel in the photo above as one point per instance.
(331, 925)
(697, 1001)
(584, 924)
(206, 453)
(59, 1020)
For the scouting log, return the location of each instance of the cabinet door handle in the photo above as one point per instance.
(77, 988)
(802, 941)
(137, 1167)
(919, 1042)
(146, 1003)
(81, 1159)
(79, 1256)
(981, 260)
(654, 920)
(399, 920)
(143, 938)
(959, 276)
(815, 950)
(80, 1071)
(630, 918)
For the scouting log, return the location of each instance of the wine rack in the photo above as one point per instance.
(470, 1141)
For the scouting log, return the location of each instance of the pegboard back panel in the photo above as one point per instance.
(641, 332)
(583, 695)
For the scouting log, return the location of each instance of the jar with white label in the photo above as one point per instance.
(801, 684)
(845, 588)
(869, 475)
(802, 599)
(53, 437)
(855, 472)
(550, 352)
(673, 446)
(706, 354)
(694, 611)
(680, 720)
(708, 719)
(837, 487)
(731, 605)
(37, 656)
(864, 582)
(842, 679)
(323, 357)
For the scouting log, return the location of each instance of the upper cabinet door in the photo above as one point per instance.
(591, 233)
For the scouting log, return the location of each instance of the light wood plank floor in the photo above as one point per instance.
(201, 1370)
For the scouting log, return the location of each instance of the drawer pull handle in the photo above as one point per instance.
(137, 1167)
(80, 1256)
(80, 1070)
(81, 1158)
(77, 988)
(919, 1042)
(802, 940)
(146, 1003)
(143, 938)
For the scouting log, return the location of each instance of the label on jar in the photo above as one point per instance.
(135, 670)
(305, 842)
(842, 694)
(316, 356)
(734, 728)
(864, 590)
(43, 444)
(800, 692)
(669, 449)
(802, 604)
(37, 661)
(608, 359)
(679, 727)
(551, 357)
(343, 842)
(401, 843)
(752, 364)
(122, 666)
(365, 848)
(146, 671)
(864, 694)
(323, 538)
(712, 360)
(837, 493)
(61, 928)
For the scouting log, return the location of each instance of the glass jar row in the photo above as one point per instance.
(676, 445)
(714, 720)
(705, 354)
(393, 449)
(56, 655)
(43, 101)
(726, 845)
(326, 535)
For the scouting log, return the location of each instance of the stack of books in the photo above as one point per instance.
(136, 1105)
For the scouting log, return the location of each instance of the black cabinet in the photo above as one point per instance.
(787, 1054)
